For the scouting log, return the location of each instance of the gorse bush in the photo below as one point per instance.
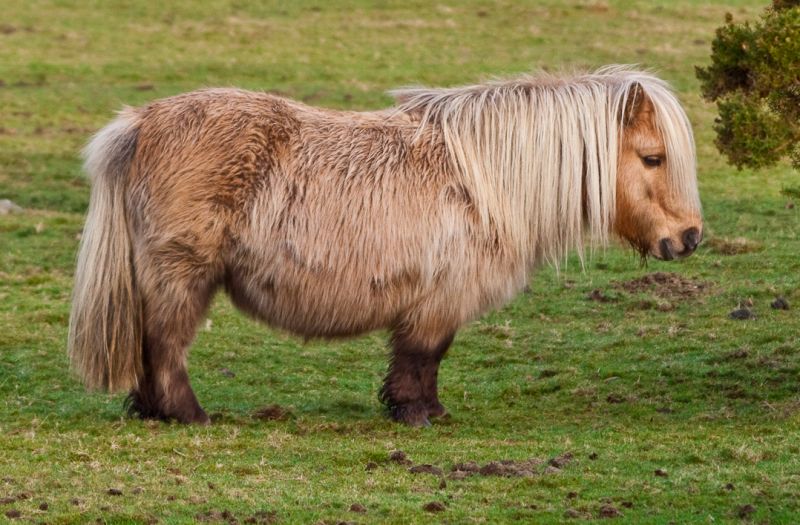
(754, 78)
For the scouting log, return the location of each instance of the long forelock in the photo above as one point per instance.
(538, 154)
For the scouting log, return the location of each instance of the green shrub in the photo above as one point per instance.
(754, 78)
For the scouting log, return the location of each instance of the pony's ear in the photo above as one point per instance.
(635, 104)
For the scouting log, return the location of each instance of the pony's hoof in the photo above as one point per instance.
(413, 415)
(437, 410)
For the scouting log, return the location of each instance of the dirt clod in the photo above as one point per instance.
(75, 501)
(216, 516)
(741, 314)
(615, 399)
(627, 504)
(510, 469)
(371, 466)
(661, 473)
(598, 296)
(745, 511)
(398, 456)
(729, 487)
(609, 511)
(426, 469)
(667, 285)
(13, 514)
(572, 495)
(593, 456)
(562, 460)
(6, 501)
(434, 506)
(469, 467)
(114, 492)
(572, 513)
(780, 304)
(358, 507)
(271, 413)
(43, 506)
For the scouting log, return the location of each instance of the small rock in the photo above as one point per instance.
(434, 506)
(780, 304)
(550, 469)
(358, 507)
(661, 473)
(6, 207)
(742, 314)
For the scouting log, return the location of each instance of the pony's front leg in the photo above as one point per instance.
(410, 389)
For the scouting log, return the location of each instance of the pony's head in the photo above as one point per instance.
(657, 203)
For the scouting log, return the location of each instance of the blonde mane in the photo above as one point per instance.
(538, 154)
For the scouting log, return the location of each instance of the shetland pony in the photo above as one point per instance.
(333, 223)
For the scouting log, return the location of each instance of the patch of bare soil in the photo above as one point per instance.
(509, 468)
(426, 469)
(739, 245)
(667, 285)
(271, 413)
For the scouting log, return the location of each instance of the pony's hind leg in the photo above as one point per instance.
(410, 389)
(175, 298)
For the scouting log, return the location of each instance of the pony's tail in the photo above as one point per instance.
(105, 325)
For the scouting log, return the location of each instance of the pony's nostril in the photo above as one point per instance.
(690, 238)
(667, 251)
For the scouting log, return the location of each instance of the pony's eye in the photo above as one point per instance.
(652, 161)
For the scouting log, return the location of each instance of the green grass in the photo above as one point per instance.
(639, 383)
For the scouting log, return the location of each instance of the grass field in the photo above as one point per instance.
(671, 411)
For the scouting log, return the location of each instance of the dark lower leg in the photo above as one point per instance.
(165, 393)
(170, 323)
(410, 388)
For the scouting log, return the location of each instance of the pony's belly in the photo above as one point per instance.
(311, 306)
